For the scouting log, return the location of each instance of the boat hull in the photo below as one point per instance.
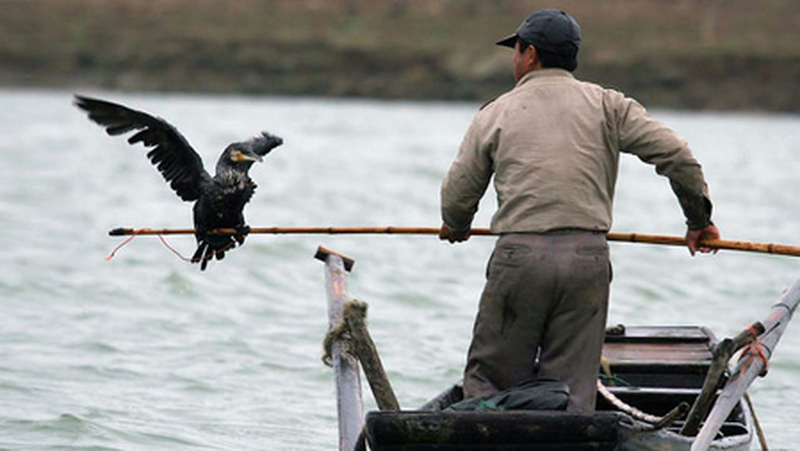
(489, 431)
(654, 370)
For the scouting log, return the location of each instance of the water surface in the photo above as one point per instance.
(146, 352)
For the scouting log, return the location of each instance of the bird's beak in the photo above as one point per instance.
(243, 157)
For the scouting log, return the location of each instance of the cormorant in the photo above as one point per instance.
(220, 200)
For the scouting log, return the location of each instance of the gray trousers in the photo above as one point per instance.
(542, 315)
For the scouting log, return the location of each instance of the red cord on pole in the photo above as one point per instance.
(138, 232)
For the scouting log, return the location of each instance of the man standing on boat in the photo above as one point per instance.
(552, 144)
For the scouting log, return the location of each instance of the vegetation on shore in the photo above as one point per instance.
(688, 54)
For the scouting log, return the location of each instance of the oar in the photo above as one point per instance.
(751, 365)
(746, 246)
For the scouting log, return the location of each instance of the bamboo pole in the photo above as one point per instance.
(665, 240)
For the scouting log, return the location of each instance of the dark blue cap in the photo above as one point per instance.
(549, 30)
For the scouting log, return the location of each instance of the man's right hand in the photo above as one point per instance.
(446, 233)
(695, 237)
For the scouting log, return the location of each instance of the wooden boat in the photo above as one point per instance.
(654, 369)
(652, 375)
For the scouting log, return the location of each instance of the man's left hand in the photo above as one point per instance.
(695, 237)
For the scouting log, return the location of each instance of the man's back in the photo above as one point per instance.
(553, 145)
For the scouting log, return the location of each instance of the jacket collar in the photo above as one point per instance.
(545, 74)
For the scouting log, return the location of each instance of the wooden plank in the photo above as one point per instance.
(355, 315)
(646, 353)
(659, 334)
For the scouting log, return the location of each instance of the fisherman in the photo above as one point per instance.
(552, 144)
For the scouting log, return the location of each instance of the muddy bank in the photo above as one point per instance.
(664, 53)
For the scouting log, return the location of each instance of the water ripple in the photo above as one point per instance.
(146, 352)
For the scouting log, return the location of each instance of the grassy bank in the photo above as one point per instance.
(700, 54)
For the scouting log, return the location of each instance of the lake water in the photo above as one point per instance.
(146, 352)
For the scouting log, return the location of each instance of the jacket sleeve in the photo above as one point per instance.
(640, 134)
(467, 180)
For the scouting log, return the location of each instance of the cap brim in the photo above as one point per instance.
(510, 41)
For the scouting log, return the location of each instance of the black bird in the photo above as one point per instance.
(220, 200)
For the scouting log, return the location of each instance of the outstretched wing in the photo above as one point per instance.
(180, 165)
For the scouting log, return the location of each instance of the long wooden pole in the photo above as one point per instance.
(746, 246)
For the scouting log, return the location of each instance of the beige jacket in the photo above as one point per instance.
(552, 144)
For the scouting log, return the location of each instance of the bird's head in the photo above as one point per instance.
(262, 145)
(248, 152)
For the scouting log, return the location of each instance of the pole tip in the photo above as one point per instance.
(120, 231)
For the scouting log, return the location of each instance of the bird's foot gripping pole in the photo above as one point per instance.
(348, 342)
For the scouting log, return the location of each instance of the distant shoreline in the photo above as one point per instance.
(435, 50)
(712, 89)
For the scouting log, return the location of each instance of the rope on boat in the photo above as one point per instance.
(656, 421)
(606, 375)
(755, 349)
(340, 334)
